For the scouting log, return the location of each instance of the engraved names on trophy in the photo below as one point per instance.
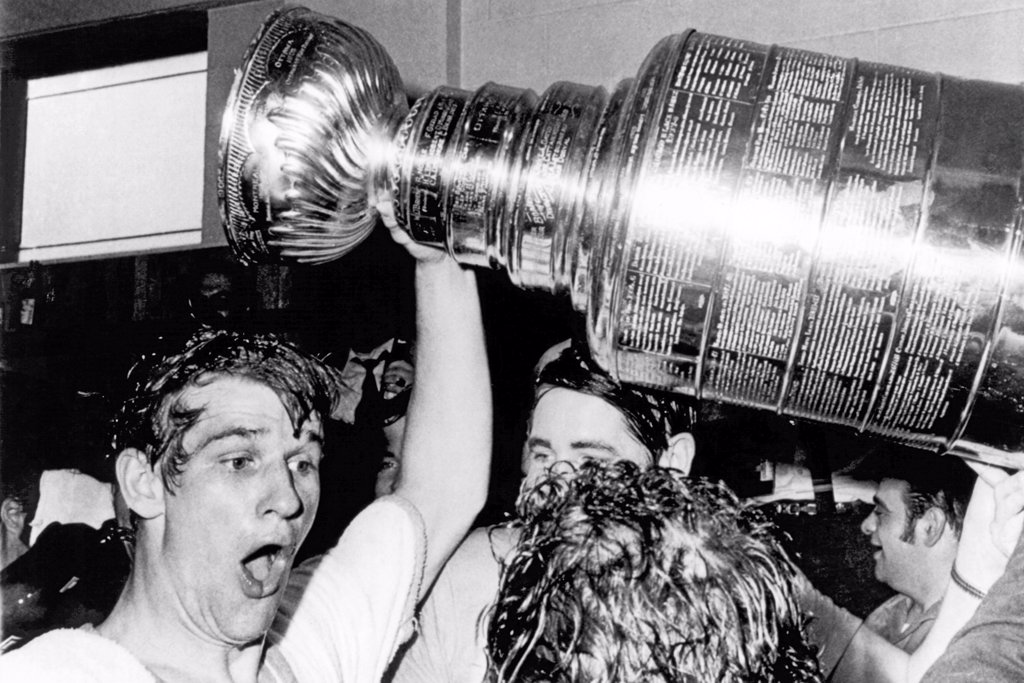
(426, 182)
(477, 190)
(774, 251)
(774, 224)
(550, 183)
(972, 246)
(698, 136)
(866, 245)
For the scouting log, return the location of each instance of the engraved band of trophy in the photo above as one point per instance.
(825, 238)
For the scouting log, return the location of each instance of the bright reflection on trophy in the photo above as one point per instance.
(821, 237)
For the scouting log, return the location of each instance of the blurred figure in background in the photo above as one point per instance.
(64, 555)
(364, 438)
(25, 403)
(19, 494)
(377, 384)
(77, 563)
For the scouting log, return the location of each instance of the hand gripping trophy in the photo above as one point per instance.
(825, 238)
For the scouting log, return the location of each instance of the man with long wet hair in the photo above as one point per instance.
(621, 574)
(579, 414)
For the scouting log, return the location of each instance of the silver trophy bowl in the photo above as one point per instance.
(820, 237)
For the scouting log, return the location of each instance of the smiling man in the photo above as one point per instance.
(915, 529)
(218, 450)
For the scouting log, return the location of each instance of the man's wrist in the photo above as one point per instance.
(966, 586)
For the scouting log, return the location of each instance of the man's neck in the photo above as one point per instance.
(933, 578)
(152, 632)
(10, 549)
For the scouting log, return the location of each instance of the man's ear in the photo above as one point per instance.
(141, 483)
(12, 516)
(680, 452)
(930, 526)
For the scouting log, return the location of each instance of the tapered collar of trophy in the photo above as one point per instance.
(306, 135)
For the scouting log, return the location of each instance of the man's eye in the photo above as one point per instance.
(239, 462)
(301, 466)
(540, 456)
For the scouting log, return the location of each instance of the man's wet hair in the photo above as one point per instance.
(624, 574)
(154, 419)
(651, 416)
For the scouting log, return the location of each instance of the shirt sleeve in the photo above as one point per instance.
(345, 613)
(830, 628)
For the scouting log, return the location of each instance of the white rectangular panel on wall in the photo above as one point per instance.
(114, 159)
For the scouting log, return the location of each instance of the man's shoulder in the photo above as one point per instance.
(896, 606)
(891, 619)
(388, 525)
(386, 521)
(62, 640)
(472, 571)
(73, 655)
(483, 547)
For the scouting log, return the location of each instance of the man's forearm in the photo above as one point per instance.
(990, 647)
(831, 628)
(447, 447)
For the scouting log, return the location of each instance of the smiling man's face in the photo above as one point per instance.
(896, 560)
(246, 499)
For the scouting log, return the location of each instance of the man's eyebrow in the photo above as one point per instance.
(230, 432)
(594, 446)
(538, 441)
(315, 435)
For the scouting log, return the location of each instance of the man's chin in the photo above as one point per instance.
(253, 621)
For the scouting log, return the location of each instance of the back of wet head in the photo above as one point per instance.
(623, 574)
(650, 417)
(153, 418)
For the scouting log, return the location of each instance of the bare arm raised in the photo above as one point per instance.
(447, 446)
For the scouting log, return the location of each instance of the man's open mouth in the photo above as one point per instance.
(263, 570)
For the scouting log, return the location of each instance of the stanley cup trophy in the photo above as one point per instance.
(824, 238)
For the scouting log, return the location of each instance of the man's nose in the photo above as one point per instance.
(281, 496)
(869, 525)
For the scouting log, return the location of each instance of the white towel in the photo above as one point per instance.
(69, 497)
(73, 655)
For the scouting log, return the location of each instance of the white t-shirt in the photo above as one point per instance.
(450, 645)
(341, 619)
